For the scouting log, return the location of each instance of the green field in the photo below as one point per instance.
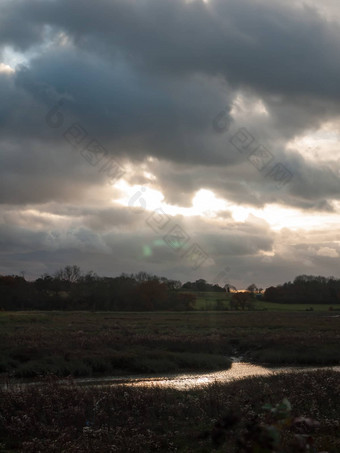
(220, 301)
(271, 306)
(33, 344)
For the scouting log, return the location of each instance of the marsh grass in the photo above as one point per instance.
(57, 417)
(95, 344)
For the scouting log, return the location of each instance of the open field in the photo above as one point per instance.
(55, 417)
(220, 301)
(116, 343)
(271, 306)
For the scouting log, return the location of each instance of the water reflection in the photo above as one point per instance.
(184, 381)
(238, 370)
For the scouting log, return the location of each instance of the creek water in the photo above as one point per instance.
(238, 370)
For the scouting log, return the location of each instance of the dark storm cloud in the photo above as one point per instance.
(269, 48)
(15, 28)
(272, 47)
(147, 78)
(132, 113)
(134, 82)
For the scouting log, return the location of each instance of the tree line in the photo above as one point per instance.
(71, 289)
(306, 289)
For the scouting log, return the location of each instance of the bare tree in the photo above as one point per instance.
(252, 288)
(228, 287)
(71, 274)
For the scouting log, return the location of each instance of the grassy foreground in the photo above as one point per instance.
(96, 344)
(217, 418)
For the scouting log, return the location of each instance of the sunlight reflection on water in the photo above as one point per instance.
(238, 370)
(184, 381)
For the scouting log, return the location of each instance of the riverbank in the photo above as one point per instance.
(83, 344)
(69, 418)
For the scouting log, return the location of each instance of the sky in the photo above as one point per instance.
(190, 139)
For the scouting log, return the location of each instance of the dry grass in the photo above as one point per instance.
(95, 344)
(66, 418)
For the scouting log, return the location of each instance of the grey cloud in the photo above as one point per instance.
(147, 79)
(36, 173)
(135, 112)
(270, 47)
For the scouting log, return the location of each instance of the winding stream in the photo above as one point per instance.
(238, 370)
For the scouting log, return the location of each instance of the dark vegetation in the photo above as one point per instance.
(71, 289)
(117, 331)
(202, 285)
(306, 289)
(33, 344)
(96, 344)
(234, 417)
